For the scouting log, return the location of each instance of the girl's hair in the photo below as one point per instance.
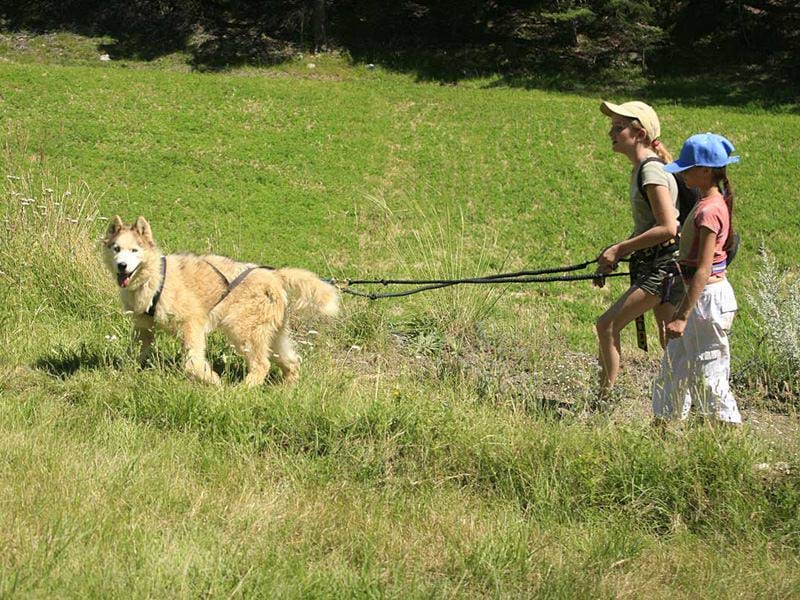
(659, 148)
(724, 186)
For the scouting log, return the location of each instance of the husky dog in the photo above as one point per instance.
(191, 296)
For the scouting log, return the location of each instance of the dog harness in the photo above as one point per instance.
(151, 311)
(231, 285)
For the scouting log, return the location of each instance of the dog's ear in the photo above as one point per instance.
(142, 227)
(114, 227)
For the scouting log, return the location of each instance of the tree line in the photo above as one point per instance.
(514, 36)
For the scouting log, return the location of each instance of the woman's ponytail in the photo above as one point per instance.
(661, 151)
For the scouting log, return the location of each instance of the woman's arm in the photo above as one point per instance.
(666, 227)
(707, 241)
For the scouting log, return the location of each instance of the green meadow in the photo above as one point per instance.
(440, 445)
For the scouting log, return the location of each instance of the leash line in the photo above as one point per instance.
(494, 279)
(499, 276)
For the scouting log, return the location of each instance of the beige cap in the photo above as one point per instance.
(640, 111)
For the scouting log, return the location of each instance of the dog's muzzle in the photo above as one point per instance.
(123, 276)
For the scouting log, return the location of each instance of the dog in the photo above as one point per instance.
(191, 296)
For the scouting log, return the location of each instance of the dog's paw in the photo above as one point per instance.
(291, 378)
(208, 378)
(253, 380)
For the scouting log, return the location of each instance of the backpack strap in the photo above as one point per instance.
(639, 182)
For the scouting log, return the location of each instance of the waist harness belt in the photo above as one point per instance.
(688, 271)
(667, 247)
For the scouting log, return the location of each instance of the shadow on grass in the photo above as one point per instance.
(446, 66)
(733, 89)
(762, 84)
(142, 47)
(218, 52)
(770, 83)
(63, 362)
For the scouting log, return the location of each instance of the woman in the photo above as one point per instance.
(634, 133)
(696, 365)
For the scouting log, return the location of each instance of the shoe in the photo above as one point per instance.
(606, 399)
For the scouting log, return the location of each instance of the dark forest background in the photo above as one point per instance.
(446, 39)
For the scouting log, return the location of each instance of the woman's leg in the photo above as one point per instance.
(630, 305)
(663, 314)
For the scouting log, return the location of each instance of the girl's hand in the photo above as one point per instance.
(609, 258)
(675, 328)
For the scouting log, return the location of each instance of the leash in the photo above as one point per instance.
(538, 276)
(578, 267)
(641, 329)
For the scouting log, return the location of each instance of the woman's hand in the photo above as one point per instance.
(609, 258)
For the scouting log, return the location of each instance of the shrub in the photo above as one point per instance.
(775, 298)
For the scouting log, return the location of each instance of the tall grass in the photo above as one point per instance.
(431, 244)
(48, 252)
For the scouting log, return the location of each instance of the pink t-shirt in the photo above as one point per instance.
(712, 213)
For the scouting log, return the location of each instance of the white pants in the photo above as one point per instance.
(696, 366)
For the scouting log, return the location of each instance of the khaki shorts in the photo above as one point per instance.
(658, 275)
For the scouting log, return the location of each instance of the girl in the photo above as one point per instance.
(634, 133)
(696, 365)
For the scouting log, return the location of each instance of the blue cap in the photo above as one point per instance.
(703, 150)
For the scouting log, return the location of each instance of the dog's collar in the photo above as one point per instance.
(151, 310)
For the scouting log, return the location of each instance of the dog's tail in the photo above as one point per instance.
(308, 292)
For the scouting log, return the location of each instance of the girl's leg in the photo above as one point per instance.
(630, 305)
(671, 397)
(714, 355)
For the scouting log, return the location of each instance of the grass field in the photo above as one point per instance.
(439, 445)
